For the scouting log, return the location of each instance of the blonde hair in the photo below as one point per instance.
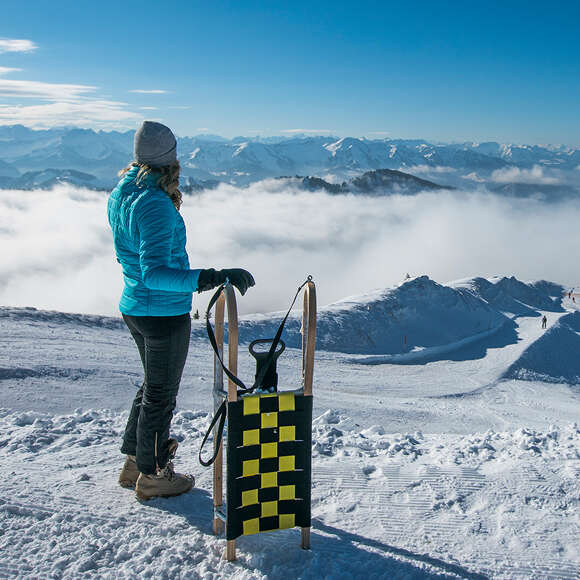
(167, 178)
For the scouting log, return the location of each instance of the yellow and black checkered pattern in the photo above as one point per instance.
(269, 463)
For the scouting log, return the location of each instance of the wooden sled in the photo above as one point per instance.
(269, 440)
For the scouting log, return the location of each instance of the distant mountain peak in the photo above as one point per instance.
(376, 182)
(393, 180)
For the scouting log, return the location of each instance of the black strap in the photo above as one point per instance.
(221, 415)
(243, 390)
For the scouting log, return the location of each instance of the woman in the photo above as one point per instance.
(149, 236)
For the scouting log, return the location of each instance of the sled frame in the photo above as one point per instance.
(227, 303)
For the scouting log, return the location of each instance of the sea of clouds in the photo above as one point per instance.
(57, 251)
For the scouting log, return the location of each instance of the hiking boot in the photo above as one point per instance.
(172, 446)
(165, 483)
(129, 473)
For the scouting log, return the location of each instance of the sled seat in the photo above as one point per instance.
(268, 463)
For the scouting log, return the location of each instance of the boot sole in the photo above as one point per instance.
(127, 483)
(145, 497)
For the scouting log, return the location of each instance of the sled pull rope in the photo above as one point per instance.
(220, 414)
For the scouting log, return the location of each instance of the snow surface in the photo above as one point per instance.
(464, 464)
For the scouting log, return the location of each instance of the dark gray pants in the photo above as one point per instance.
(163, 342)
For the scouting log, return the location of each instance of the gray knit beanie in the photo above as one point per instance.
(155, 145)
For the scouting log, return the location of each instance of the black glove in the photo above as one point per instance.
(238, 277)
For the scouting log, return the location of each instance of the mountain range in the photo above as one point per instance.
(39, 158)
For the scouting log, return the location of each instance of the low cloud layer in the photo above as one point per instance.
(57, 248)
(418, 169)
(535, 175)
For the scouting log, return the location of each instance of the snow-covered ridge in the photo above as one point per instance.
(246, 160)
(514, 297)
(417, 314)
(416, 319)
(33, 315)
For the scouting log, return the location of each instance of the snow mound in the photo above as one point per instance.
(10, 373)
(418, 314)
(337, 434)
(514, 297)
(494, 449)
(40, 433)
(554, 356)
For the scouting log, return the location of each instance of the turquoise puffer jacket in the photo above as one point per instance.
(149, 236)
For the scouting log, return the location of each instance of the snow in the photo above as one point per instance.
(513, 297)
(554, 356)
(463, 464)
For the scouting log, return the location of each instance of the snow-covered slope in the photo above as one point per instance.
(417, 320)
(514, 297)
(451, 469)
(554, 356)
(387, 506)
(418, 314)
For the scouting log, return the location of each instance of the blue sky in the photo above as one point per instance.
(449, 71)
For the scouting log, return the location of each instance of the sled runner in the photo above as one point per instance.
(269, 433)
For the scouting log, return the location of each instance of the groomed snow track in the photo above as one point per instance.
(384, 506)
(402, 515)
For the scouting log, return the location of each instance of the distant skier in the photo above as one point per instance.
(196, 315)
(149, 237)
(544, 321)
